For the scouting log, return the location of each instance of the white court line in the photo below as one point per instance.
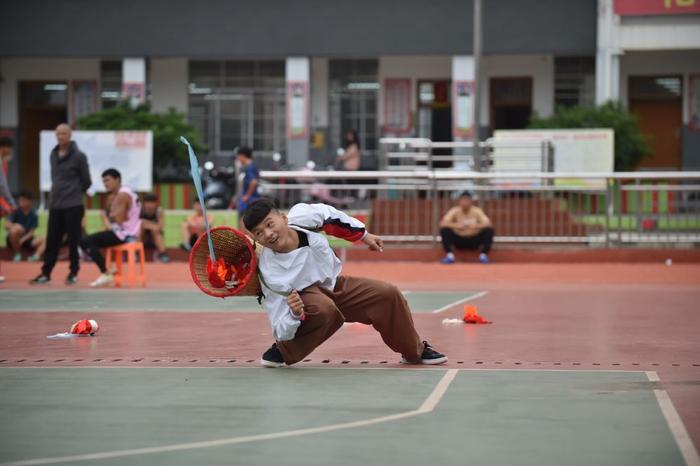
(344, 368)
(675, 423)
(461, 301)
(405, 292)
(426, 407)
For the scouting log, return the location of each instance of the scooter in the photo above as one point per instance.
(219, 185)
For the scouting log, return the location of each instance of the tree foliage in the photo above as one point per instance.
(631, 145)
(167, 129)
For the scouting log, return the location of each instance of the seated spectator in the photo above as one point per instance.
(466, 226)
(194, 226)
(21, 226)
(104, 213)
(125, 224)
(153, 225)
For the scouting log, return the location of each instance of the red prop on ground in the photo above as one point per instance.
(85, 327)
(471, 316)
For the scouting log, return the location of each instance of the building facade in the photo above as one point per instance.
(294, 77)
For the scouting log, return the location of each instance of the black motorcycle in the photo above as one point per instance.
(219, 185)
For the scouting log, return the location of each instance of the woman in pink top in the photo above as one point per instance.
(125, 222)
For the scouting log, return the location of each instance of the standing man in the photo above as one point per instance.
(125, 226)
(70, 179)
(466, 226)
(7, 202)
(244, 156)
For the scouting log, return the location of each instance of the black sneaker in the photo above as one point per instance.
(428, 356)
(41, 279)
(71, 279)
(272, 357)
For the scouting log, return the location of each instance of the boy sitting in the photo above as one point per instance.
(306, 298)
(20, 228)
(194, 226)
(152, 226)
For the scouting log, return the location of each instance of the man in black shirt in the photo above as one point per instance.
(70, 179)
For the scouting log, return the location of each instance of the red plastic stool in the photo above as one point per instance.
(115, 253)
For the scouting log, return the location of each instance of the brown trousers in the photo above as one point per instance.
(363, 300)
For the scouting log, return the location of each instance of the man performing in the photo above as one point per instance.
(306, 298)
(466, 226)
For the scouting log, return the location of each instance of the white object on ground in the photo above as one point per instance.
(67, 335)
(669, 262)
(452, 321)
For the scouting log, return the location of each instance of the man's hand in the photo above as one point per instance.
(374, 242)
(295, 303)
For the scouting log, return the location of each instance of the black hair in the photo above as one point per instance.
(113, 172)
(6, 142)
(150, 197)
(257, 211)
(26, 195)
(353, 139)
(245, 151)
(466, 194)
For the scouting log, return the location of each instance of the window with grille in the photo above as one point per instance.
(574, 81)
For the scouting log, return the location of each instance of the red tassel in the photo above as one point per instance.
(219, 273)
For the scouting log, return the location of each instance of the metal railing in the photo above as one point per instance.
(606, 209)
(492, 155)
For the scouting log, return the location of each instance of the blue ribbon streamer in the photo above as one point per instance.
(194, 167)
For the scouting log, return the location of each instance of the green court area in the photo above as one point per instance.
(173, 221)
(627, 222)
(191, 300)
(304, 416)
(172, 231)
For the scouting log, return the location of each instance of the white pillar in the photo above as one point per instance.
(607, 54)
(298, 103)
(134, 80)
(169, 84)
(463, 84)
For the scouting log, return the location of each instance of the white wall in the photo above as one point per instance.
(539, 67)
(660, 63)
(13, 70)
(169, 80)
(415, 68)
(659, 32)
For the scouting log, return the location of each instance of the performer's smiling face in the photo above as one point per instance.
(273, 232)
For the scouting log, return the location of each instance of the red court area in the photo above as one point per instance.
(639, 317)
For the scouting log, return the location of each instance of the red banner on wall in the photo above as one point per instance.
(656, 7)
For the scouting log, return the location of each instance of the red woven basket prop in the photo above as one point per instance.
(237, 249)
